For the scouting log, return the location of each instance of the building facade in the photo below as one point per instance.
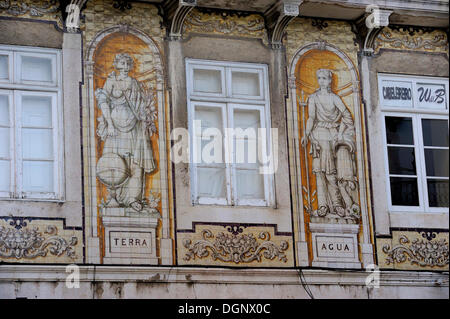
(224, 149)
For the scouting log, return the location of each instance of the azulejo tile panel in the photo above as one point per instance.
(414, 250)
(35, 240)
(234, 245)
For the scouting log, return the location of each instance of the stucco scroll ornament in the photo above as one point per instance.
(401, 40)
(330, 132)
(17, 8)
(254, 26)
(128, 120)
(235, 247)
(30, 243)
(419, 251)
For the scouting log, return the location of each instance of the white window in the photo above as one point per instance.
(416, 136)
(225, 98)
(30, 124)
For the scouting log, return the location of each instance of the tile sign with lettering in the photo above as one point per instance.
(413, 92)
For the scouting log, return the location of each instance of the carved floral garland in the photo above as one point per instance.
(420, 252)
(30, 243)
(237, 248)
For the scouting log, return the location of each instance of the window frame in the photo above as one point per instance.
(229, 102)
(416, 114)
(17, 88)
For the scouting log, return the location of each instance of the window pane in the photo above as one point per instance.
(36, 69)
(437, 193)
(210, 117)
(4, 110)
(4, 70)
(37, 111)
(207, 81)
(211, 120)
(435, 132)
(245, 83)
(436, 162)
(4, 142)
(404, 191)
(4, 176)
(401, 160)
(211, 182)
(246, 141)
(246, 119)
(250, 184)
(37, 144)
(399, 130)
(37, 176)
(209, 150)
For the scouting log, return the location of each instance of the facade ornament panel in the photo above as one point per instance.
(252, 25)
(18, 8)
(25, 243)
(405, 39)
(235, 247)
(425, 253)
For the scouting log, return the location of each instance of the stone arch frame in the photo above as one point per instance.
(366, 246)
(90, 182)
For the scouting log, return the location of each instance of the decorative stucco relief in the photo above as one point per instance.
(34, 9)
(238, 246)
(421, 252)
(413, 40)
(414, 250)
(22, 241)
(216, 23)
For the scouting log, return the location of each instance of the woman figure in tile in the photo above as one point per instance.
(125, 126)
(331, 133)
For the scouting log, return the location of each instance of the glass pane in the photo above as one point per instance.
(246, 151)
(250, 184)
(4, 110)
(207, 81)
(246, 119)
(4, 70)
(4, 142)
(435, 132)
(37, 111)
(437, 193)
(4, 176)
(36, 69)
(37, 176)
(211, 182)
(246, 140)
(209, 150)
(404, 191)
(244, 83)
(210, 117)
(399, 130)
(401, 160)
(37, 144)
(436, 162)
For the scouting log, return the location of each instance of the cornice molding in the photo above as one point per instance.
(46, 273)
